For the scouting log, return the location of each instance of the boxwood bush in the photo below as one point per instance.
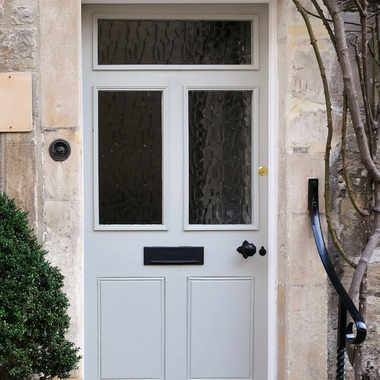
(33, 307)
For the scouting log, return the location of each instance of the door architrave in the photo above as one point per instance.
(272, 158)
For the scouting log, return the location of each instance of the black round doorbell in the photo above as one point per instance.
(59, 150)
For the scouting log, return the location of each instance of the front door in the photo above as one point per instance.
(175, 130)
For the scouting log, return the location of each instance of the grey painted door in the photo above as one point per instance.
(175, 128)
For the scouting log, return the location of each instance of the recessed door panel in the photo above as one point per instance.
(131, 328)
(221, 328)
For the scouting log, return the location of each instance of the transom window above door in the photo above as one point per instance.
(125, 42)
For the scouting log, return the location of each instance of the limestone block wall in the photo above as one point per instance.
(60, 107)
(302, 285)
(20, 153)
(43, 37)
(306, 134)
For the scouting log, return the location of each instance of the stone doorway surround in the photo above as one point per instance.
(52, 192)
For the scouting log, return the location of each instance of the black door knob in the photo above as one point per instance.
(247, 249)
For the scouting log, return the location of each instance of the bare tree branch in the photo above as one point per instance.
(326, 90)
(359, 6)
(365, 126)
(372, 51)
(364, 57)
(349, 84)
(368, 251)
(363, 86)
(325, 22)
(344, 160)
(374, 68)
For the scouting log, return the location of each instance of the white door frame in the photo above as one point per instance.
(272, 158)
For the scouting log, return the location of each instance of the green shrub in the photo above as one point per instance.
(33, 307)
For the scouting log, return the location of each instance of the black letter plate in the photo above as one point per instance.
(173, 255)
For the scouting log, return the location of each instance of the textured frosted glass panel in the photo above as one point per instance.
(220, 157)
(174, 42)
(130, 157)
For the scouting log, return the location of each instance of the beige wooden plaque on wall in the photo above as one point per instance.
(15, 102)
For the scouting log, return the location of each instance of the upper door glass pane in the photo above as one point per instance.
(220, 157)
(130, 157)
(174, 42)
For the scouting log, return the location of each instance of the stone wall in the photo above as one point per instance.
(302, 281)
(348, 224)
(35, 37)
(20, 153)
(349, 227)
(60, 49)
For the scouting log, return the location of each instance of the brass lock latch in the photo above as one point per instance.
(263, 171)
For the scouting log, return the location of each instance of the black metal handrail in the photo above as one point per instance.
(345, 332)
